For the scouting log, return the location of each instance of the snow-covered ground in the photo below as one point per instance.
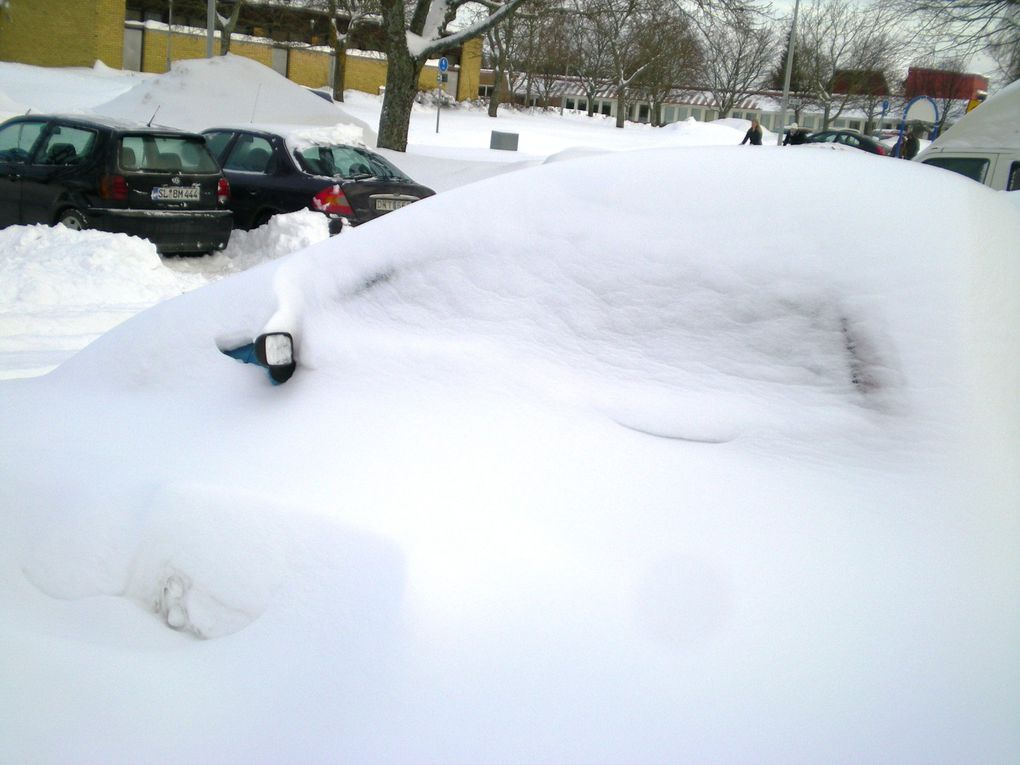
(625, 448)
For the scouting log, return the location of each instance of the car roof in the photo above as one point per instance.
(297, 134)
(110, 123)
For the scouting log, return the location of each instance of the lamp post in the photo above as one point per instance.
(170, 37)
(210, 20)
(789, 73)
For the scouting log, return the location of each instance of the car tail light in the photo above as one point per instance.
(114, 187)
(880, 149)
(333, 201)
(223, 191)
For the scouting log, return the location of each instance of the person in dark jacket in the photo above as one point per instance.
(753, 134)
(911, 145)
(795, 136)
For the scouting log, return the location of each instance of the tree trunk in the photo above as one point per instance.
(621, 104)
(402, 73)
(497, 92)
(228, 29)
(339, 70)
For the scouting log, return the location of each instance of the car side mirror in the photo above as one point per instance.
(275, 351)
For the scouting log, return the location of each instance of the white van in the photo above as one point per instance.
(998, 167)
(985, 144)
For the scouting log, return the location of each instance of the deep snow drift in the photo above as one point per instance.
(614, 459)
(648, 472)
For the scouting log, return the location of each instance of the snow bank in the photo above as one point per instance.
(225, 90)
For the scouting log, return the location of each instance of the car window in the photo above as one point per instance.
(346, 162)
(381, 168)
(66, 145)
(159, 154)
(251, 154)
(975, 168)
(1013, 183)
(17, 140)
(849, 140)
(217, 142)
(824, 137)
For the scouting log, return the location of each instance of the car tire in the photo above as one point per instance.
(262, 218)
(74, 219)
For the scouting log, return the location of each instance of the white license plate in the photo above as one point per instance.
(385, 205)
(176, 193)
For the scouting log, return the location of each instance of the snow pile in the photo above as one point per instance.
(225, 90)
(722, 480)
(718, 132)
(35, 270)
(60, 289)
(282, 235)
(61, 90)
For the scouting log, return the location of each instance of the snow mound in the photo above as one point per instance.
(114, 269)
(282, 235)
(201, 93)
(694, 133)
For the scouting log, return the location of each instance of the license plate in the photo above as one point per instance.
(176, 193)
(385, 205)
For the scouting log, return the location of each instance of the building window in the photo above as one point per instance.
(682, 112)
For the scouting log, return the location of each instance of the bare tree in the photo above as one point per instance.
(415, 30)
(940, 79)
(633, 42)
(345, 18)
(954, 29)
(227, 23)
(502, 41)
(846, 51)
(738, 48)
(681, 64)
(549, 50)
(593, 59)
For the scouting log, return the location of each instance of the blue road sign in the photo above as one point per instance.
(443, 64)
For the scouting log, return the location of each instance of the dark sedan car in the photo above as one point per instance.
(85, 172)
(278, 170)
(848, 138)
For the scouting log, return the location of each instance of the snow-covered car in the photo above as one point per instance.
(669, 474)
(284, 168)
(94, 172)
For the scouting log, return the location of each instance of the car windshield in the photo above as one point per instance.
(158, 154)
(343, 161)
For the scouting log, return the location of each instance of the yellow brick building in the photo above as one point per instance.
(82, 32)
(62, 33)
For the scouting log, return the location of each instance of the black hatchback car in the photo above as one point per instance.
(84, 172)
(280, 169)
(848, 138)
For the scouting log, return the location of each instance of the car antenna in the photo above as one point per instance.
(149, 123)
(257, 92)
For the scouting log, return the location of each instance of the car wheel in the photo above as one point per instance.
(73, 219)
(262, 218)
